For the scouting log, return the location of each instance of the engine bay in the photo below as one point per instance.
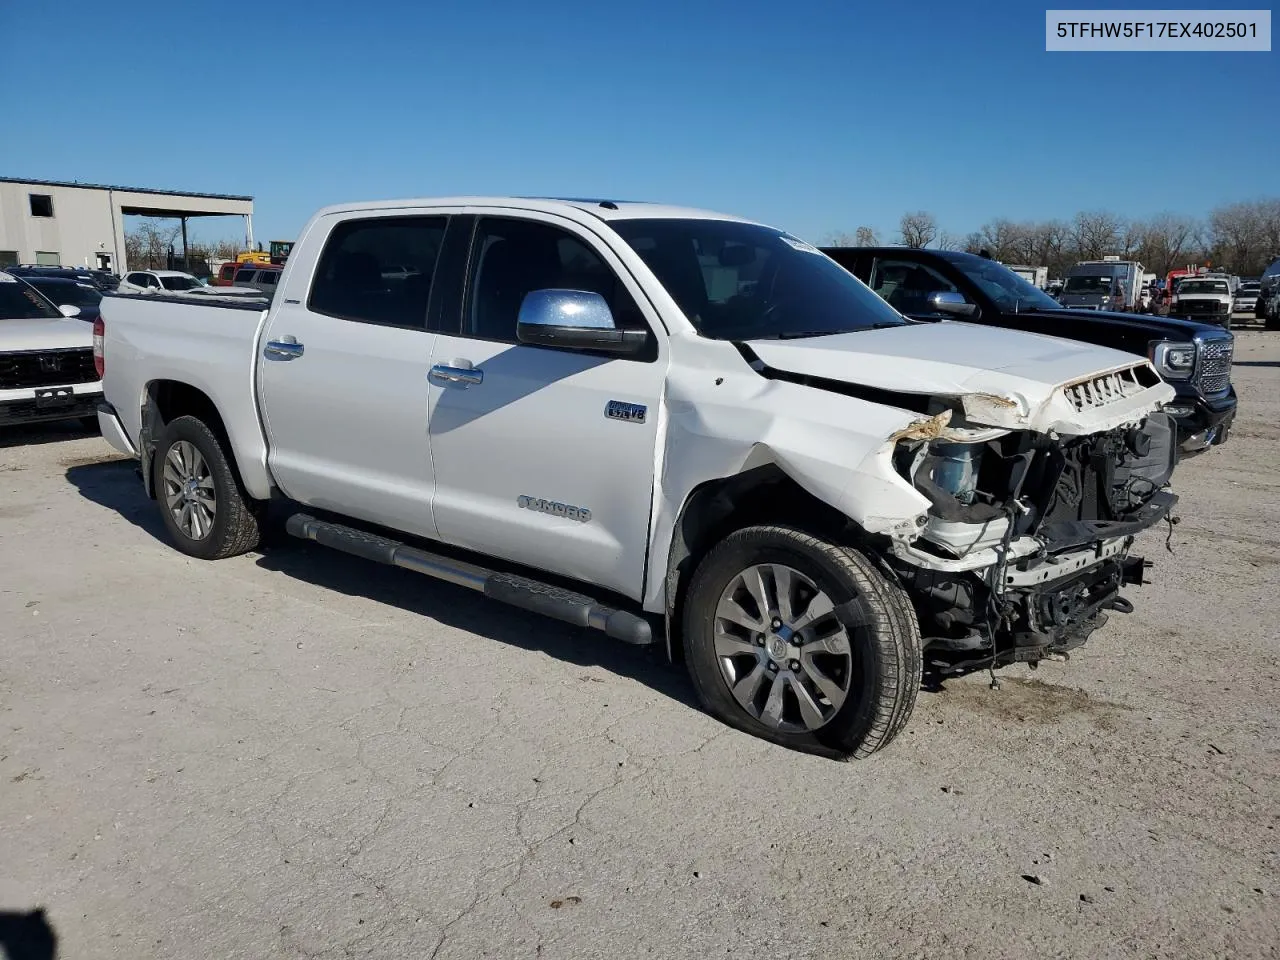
(1025, 546)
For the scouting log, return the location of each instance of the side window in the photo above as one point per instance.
(150, 280)
(138, 279)
(905, 285)
(378, 271)
(269, 277)
(244, 276)
(510, 258)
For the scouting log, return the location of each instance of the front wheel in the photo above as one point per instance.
(802, 642)
(204, 508)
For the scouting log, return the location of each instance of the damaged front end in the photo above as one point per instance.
(1025, 545)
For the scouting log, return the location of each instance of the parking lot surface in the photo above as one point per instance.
(299, 754)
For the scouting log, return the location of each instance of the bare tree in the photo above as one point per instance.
(1268, 232)
(950, 241)
(1002, 239)
(1097, 234)
(1245, 236)
(226, 249)
(1166, 241)
(839, 238)
(149, 241)
(918, 229)
(866, 237)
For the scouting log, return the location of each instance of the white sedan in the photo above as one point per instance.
(177, 283)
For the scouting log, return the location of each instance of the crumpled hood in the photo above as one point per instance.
(54, 333)
(1005, 378)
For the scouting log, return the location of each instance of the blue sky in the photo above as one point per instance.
(812, 116)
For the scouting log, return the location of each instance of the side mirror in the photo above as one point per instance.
(948, 301)
(574, 319)
(67, 310)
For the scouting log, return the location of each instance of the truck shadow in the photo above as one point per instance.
(114, 484)
(463, 609)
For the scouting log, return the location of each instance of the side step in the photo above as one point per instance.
(575, 608)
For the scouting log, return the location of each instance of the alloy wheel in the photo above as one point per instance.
(188, 490)
(782, 650)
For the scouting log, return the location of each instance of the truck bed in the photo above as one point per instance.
(210, 345)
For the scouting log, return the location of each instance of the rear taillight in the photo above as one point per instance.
(99, 360)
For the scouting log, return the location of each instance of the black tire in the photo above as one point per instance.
(235, 528)
(881, 624)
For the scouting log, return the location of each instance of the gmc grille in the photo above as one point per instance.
(1213, 373)
(46, 368)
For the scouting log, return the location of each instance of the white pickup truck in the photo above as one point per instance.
(665, 424)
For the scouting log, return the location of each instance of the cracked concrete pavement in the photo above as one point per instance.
(299, 754)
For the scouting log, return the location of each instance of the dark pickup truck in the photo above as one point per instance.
(1194, 358)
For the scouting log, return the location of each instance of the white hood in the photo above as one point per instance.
(53, 333)
(1004, 378)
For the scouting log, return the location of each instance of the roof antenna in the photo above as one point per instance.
(608, 205)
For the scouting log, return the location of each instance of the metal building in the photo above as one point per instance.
(82, 224)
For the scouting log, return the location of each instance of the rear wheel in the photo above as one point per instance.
(802, 642)
(204, 508)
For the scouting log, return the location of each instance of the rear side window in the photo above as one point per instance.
(269, 277)
(244, 276)
(227, 272)
(379, 270)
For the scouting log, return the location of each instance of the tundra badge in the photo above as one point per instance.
(630, 412)
(581, 514)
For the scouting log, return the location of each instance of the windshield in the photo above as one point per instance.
(18, 301)
(72, 293)
(1009, 291)
(1202, 286)
(180, 283)
(1088, 285)
(742, 281)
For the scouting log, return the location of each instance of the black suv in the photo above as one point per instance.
(104, 280)
(1193, 358)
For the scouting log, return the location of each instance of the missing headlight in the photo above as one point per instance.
(953, 467)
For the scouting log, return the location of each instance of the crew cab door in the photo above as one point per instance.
(530, 466)
(343, 369)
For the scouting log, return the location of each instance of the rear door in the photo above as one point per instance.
(545, 456)
(343, 370)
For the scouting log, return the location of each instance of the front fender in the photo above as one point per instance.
(836, 448)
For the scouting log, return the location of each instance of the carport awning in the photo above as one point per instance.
(170, 212)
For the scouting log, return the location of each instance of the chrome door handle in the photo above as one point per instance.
(286, 348)
(442, 371)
